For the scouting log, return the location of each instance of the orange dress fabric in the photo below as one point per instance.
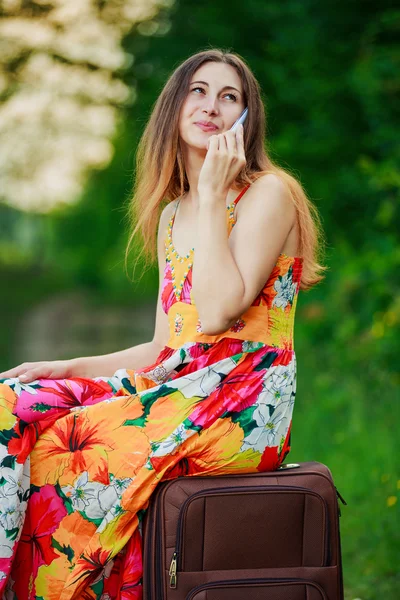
(80, 458)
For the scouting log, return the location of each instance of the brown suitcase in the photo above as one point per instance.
(252, 536)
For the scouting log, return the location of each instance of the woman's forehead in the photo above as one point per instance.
(218, 73)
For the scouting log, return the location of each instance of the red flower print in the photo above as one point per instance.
(45, 512)
(235, 393)
(74, 444)
(187, 286)
(238, 326)
(124, 580)
(267, 294)
(178, 323)
(286, 446)
(167, 290)
(25, 436)
(59, 394)
(297, 271)
(269, 459)
(90, 565)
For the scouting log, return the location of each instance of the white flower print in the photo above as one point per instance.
(97, 500)
(18, 387)
(12, 483)
(120, 485)
(103, 502)
(13, 487)
(285, 289)
(248, 346)
(83, 493)
(269, 429)
(11, 513)
(5, 552)
(109, 515)
(172, 441)
(278, 386)
(205, 380)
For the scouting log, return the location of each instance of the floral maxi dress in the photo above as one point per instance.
(80, 458)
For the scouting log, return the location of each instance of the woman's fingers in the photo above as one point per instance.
(15, 371)
(28, 372)
(239, 139)
(231, 144)
(33, 375)
(213, 142)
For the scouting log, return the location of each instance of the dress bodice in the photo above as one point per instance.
(270, 318)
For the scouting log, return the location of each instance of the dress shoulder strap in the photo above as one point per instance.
(241, 194)
(232, 208)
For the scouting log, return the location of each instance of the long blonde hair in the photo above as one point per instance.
(160, 172)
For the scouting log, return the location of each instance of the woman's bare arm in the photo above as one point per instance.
(228, 273)
(105, 365)
(141, 355)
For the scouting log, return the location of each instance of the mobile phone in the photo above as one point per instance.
(241, 119)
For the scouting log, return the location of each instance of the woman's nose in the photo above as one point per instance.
(211, 105)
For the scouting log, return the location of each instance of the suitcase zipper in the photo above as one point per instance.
(238, 582)
(172, 571)
(175, 564)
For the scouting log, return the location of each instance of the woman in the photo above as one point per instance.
(212, 393)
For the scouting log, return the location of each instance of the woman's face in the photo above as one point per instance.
(215, 96)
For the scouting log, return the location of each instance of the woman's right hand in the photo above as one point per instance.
(55, 369)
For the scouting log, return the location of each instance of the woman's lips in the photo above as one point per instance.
(206, 127)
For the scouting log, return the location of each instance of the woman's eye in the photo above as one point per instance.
(227, 94)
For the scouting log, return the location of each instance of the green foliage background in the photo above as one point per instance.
(330, 75)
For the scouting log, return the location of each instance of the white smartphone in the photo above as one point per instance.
(241, 119)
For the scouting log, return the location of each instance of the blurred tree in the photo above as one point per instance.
(60, 91)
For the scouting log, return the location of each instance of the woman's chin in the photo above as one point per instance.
(198, 145)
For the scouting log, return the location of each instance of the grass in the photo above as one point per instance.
(347, 420)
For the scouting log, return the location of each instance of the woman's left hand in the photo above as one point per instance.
(224, 160)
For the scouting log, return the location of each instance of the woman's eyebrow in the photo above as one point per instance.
(226, 87)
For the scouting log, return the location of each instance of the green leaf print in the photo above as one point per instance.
(139, 422)
(9, 462)
(12, 533)
(244, 418)
(41, 407)
(67, 550)
(96, 522)
(141, 514)
(6, 435)
(187, 423)
(67, 501)
(126, 384)
(266, 361)
(97, 588)
(148, 400)
(236, 357)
